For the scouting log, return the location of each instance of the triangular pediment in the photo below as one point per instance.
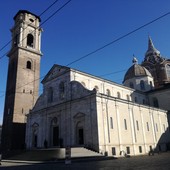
(79, 115)
(55, 71)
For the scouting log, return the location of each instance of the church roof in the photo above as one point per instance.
(136, 71)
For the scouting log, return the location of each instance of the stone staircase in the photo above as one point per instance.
(54, 154)
(83, 152)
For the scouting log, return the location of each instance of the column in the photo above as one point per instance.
(143, 130)
(153, 127)
(118, 125)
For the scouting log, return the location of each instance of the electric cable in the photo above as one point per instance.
(27, 26)
(102, 47)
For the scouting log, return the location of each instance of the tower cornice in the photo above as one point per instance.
(26, 49)
(28, 12)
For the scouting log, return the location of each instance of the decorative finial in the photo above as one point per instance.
(134, 61)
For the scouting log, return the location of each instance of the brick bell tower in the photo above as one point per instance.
(23, 78)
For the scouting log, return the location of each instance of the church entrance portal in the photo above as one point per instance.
(55, 136)
(80, 136)
(55, 132)
(79, 120)
(35, 128)
(35, 141)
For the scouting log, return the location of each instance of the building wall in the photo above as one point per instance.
(163, 97)
(133, 135)
(73, 113)
(90, 82)
(101, 115)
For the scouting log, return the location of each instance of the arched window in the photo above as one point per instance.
(108, 92)
(50, 95)
(30, 40)
(118, 95)
(131, 85)
(62, 90)
(142, 85)
(155, 102)
(28, 66)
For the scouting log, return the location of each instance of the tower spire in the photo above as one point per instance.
(150, 44)
(151, 48)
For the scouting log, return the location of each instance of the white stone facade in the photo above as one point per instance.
(78, 109)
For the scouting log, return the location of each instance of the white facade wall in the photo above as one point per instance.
(135, 134)
(101, 115)
(90, 82)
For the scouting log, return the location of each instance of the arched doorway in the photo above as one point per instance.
(35, 128)
(55, 139)
(79, 125)
(80, 133)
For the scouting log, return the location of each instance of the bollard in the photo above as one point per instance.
(68, 155)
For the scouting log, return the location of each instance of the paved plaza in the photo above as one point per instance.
(156, 162)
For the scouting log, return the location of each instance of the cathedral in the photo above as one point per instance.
(80, 109)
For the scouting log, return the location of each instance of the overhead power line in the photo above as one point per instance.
(118, 39)
(59, 9)
(41, 24)
(56, 12)
(100, 48)
(26, 27)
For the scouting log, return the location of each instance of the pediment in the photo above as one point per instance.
(79, 115)
(55, 71)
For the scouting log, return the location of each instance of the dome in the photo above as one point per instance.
(136, 71)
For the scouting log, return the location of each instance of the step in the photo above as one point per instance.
(54, 154)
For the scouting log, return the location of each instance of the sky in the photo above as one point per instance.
(83, 26)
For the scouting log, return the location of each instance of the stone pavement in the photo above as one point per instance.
(156, 162)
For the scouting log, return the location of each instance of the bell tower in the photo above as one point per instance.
(23, 78)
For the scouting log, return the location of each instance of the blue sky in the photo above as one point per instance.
(86, 25)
